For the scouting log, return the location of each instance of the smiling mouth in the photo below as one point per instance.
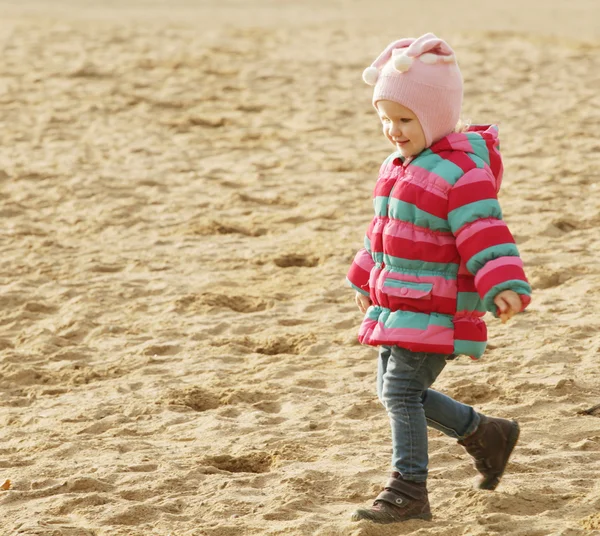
(402, 142)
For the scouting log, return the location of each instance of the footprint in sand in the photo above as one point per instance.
(200, 399)
(132, 515)
(292, 344)
(256, 462)
(82, 485)
(195, 303)
(105, 268)
(543, 278)
(51, 527)
(312, 383)
(560, 227)
(288, 322)
(81, 504)
(105, 424)
(195, 398)
(363, 410)
(469, 392)
(137, 495)
(161, 349)
(270, 346)
(260, 400)
(296, 260)
(214, 227)
(142, 468)
(242, 198)
(37, 307)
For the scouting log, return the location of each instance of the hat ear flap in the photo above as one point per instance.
(432, 59)
(431, 49)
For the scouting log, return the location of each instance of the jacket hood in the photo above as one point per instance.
(480, 140)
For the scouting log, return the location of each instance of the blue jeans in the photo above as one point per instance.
(403, 381)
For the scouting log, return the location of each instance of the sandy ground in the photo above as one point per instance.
(183, 187)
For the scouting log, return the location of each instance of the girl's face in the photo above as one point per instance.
(401, 127)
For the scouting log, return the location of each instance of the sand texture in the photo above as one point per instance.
(183, 189)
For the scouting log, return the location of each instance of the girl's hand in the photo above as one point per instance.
(509, 304)
(362, 301)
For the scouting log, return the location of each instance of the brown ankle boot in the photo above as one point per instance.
(399, 501)
(491, 445)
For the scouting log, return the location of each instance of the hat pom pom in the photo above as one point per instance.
(370, 75)
(402, 62)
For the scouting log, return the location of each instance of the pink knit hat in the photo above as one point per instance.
(423, 76)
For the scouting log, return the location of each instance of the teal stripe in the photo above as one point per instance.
(391, 157)
(477, 261)
(408, 212)
(376, 313)
(469, 301)
(380, 204)
(470, 348)
(421, 272)
(422, 155)
(412, 320)
(477, 160)
(444, 321)
(407, 319)
(434, 163)
(362, 291)
(486, 208)
(479, 147)
(437, 268)
(395, 283)
(367, 244)
(516, 285)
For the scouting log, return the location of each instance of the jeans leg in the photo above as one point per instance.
(450, 417)
(384, 356)
(405, 379)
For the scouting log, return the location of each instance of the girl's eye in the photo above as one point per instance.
(385, 120)
(406, 119)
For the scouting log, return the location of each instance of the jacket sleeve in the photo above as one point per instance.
(483, 239)
(360, 270)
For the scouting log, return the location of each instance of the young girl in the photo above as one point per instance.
(437, 256)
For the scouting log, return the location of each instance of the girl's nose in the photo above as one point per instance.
(395, 130)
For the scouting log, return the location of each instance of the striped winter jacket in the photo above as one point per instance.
(437, 251)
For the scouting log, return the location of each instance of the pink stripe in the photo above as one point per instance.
(366, 330)
(378, 224)
(469, 230)
(364, 260)
(441, 287)
(497, 263)
(417, 234)
(427, 180)
(476, 175)
(460, 142)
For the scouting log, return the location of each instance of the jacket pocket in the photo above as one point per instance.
(407, 289)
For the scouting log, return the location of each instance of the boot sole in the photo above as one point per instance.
(513, 437)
